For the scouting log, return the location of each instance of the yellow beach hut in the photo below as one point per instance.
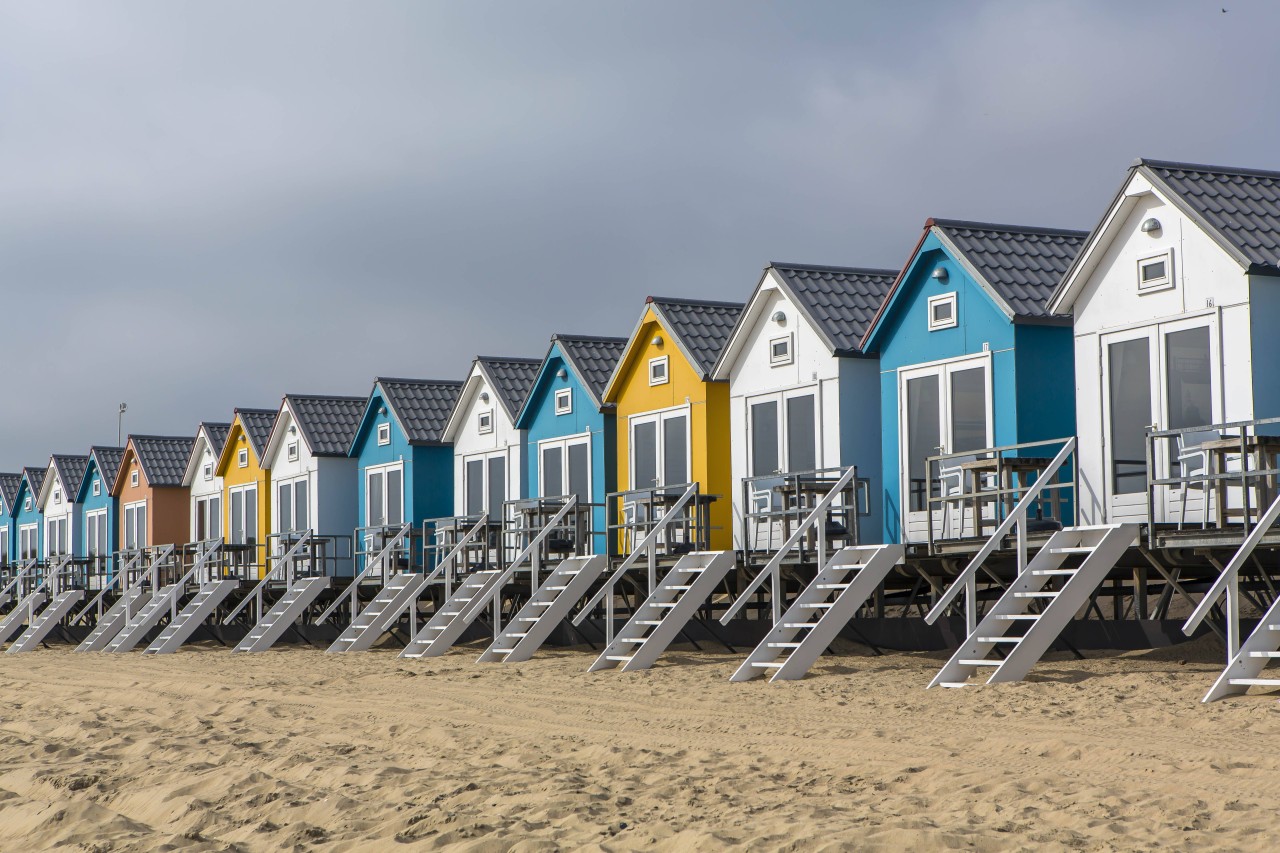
(246, 485)
(672, 419)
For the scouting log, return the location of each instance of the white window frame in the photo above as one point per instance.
(943, 299)
(230, 523)
(784, 443)
(663, 362)
(60, 524)
(787, 357)
(291, 451)
(124, 521)
(4, 543)
(242, 457)
(133, 478)
(659, 417)
(57, 496)
(208, 470)
(564, 443)
(26, 505)
(384, 434)
(97, 487)
(290, 524)
(484, 422)
(91, 527)
(383, 470)
(507, 473)
(564, 401)
(199, 505)
(1164, 282)
(28, 530)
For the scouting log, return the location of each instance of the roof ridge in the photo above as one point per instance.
(341, 397)
(1204, 167)
(95, 447)
(378, 379)
(509, 358)
(131, 437)
(996, 226)
(831, 268)
(679, 300)
(255, 411)
(595, 338)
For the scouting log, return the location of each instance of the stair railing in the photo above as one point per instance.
(1229, 581)
(968, 579)
(648, 547)
(773, 569)
(374, 566)
(96, 602)
(446, 562)
(206, 551)
(283, 568)
(530, 550)
(19, 577)
(148, 575)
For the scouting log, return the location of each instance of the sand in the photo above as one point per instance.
(298, 750)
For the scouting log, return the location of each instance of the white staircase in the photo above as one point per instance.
(1246, 665)
(447, 624)
(21, 614)
(191, 617)
(282, 614)
(1043, 599)
(666, 611)
(145, 619)
(47, 621)
(818, 614)
(110, 623)
(529, 629)
(400, 593)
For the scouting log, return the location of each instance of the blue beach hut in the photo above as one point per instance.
(98, 509)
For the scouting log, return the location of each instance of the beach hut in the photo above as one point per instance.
(971, 358)
(571, 442)
(98, 510)
(59, 502)
(403, 465)
(803, 395)
(9, 484)
(673, 418)
(28, 523)
(246, 490)
(488, 447)
(1173, 297)
(150, 498)
(313, 477)
(204, 485)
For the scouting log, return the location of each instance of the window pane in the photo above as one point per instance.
(764, 438)
(1190, 395)
(377, 517)
(675, 451)
(968, 410)
(104, 543)
(552, 473)
(202, 517)
(1130, 381)
(285, 508)
(251, 516)
(644, 450)
(237, 518)
(142, 525)
(395, 497)
(924, 429)
(301, 506)
(802, 435)
(215, 517)
(579, 472)
(475, 486)
(497, 486)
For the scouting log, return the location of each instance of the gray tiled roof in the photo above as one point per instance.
(9, 484)
(422, 406)
(1241, 205)
(35, 478)
(109, 459)
(511, 378)
(840, 301)
(217, 433)
(71, 472)
(328, 424)
(1023, 265)
(257, 425)
(593, 358)
(163, 457)
(701, 328)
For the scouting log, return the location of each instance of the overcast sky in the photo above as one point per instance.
(208, 205)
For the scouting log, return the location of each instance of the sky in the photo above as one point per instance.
(209, 205)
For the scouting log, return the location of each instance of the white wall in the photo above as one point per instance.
(200, 487)
(63, 509)
(470, 442)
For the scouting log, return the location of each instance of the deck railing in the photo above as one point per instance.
(433, 529)
(377, 564)
(122, 571)
(284, 569)
(1016, 522)
(776, 500)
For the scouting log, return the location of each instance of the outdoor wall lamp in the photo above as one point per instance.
(779, 318)
(940, 274)
(1151, 226)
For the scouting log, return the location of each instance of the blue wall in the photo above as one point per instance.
(1264, 310)
(540, 422)
(22, 517)
(6, 521)
(860, 422)
(90, 503)
(1032, 366)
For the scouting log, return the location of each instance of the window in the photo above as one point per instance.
(135, 525)
(485, 484)
(564, 467)
(384, 496)
(242, 458)
(57, 497)
(564, 401)
(244, 516)
(291, 451)
(97, 487)
(26, 506)
(55, 537)
(942, 312)
(484, 422)
(292, 506)
(96, 542)
(384, 434)
(658, 371)
(780, 351)
(28, 542)
(4, 546)
(208, 470)
(660, 450)
(784, 434)
(208, 517)
(133, 478)
(1155, 273)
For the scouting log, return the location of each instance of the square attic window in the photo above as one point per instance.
(97, 488)
(780, 351)
(133, 478)
(1155, 273)
(384, 434)
(57, 497)
(242, 458)
(26, 506)
(484, 422)
(564, 401)
(942, 312)
(658, 371)
(291, 451)
(208, 470)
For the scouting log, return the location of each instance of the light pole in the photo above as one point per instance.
(124, 407)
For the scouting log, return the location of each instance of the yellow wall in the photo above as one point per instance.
(233, 475)
(708, 403)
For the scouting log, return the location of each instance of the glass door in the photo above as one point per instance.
(660, 450)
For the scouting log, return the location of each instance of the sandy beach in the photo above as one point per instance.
(298, 750)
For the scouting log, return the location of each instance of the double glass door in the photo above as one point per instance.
(945, 408)
(660, 449)
(564, 468)
(1160, 377)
